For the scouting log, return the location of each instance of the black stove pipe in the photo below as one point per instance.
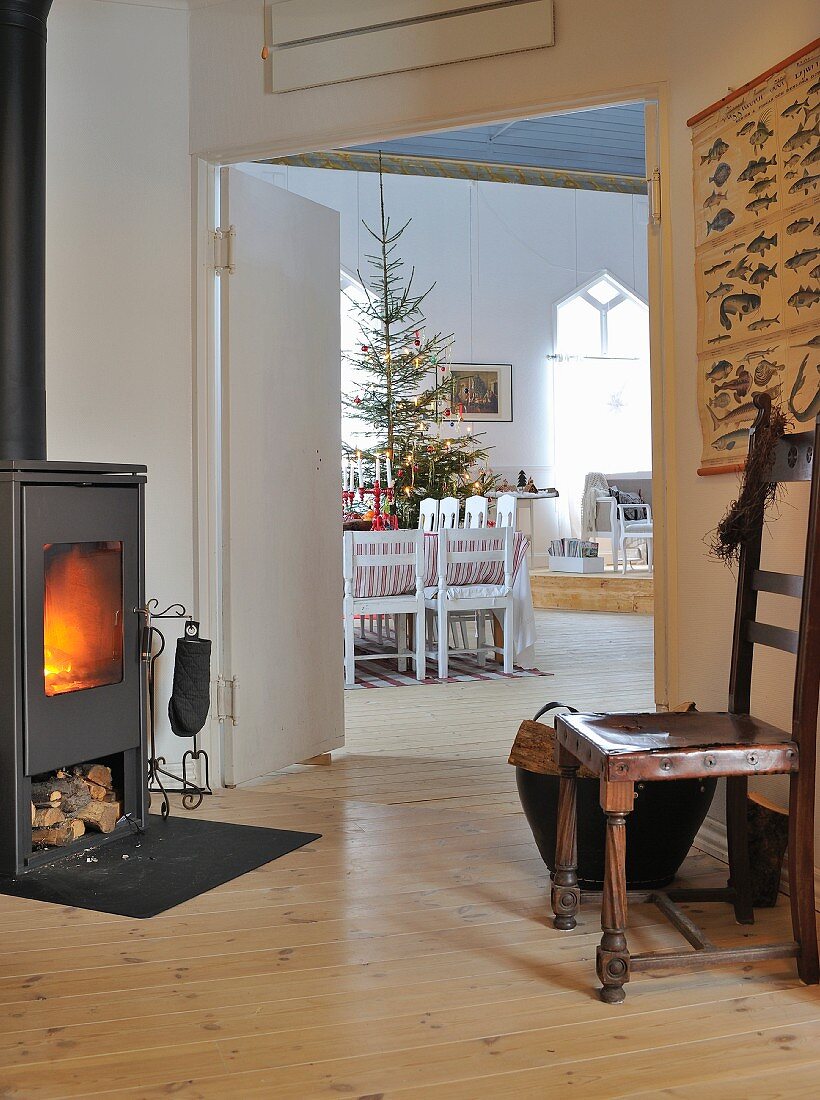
(22, 228)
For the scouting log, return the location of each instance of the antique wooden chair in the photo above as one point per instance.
(628, 748)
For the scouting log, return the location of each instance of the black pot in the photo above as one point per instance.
(659, 831)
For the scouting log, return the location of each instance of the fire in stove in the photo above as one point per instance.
(82, 616)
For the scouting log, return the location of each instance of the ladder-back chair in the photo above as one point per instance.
(449, 509)
(505, 510)
(384, 575)
(625, 749)
(475, 574)
(475, 512)
(428, 515)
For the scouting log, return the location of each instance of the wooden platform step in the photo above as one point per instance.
(632, 594)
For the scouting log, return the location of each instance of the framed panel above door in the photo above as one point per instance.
(316, 42)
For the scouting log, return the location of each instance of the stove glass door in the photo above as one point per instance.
(82, 616)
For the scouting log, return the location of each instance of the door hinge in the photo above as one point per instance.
(227, 699)
(224, 243)
(653, 190)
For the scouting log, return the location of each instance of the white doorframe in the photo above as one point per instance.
(206, 362)
(661, 351)
(207, 440)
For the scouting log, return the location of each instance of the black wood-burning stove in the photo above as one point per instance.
(72, 685)
(72, 690)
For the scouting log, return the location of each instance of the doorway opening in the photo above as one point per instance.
(539, 294)
(532, 237)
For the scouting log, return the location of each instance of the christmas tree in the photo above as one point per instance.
(404, 398)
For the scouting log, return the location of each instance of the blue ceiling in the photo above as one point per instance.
(607, 140)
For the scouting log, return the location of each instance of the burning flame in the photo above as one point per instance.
(82, 616)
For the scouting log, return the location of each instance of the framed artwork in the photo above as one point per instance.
(756, 163)
(484, 390)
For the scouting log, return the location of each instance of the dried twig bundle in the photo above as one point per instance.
(757, 492)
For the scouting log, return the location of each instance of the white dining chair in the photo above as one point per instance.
(475, 516)
(428, 515)
(475, 512)
(475, 574)
(384, 575)
(505, 510)
(640, 529)
(611, 523)
(448, 513)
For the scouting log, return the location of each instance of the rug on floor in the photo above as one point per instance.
(143, 874)
(462, 669)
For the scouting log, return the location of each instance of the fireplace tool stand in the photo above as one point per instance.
(158, 773)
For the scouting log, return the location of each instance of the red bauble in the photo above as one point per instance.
(365, 347)
(417, 343)
(357, 400)
(430, 451)
(447, 414)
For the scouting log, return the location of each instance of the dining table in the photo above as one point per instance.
(525, 502)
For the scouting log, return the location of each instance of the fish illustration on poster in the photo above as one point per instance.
(756, 164)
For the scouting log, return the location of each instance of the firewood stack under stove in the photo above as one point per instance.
(67, 804)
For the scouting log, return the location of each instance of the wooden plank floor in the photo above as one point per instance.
(408, 953)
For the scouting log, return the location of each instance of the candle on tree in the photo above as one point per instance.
(388, 470)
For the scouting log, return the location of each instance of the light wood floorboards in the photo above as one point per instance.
(408, 953)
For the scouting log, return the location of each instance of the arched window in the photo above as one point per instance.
(601, 388)
(602, 319)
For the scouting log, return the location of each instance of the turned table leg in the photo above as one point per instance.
(612, 959)
(565, 893)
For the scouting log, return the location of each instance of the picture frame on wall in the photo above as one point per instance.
(484, 390)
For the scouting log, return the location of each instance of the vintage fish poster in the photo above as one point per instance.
(757, 247)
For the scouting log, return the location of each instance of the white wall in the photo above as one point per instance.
(119, 266)
(500, 256)
(694, 53)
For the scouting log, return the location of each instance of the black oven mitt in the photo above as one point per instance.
(191, 695)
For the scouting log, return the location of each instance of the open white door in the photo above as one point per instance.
(281, 446)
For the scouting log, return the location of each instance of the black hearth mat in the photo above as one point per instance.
(143, 874)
